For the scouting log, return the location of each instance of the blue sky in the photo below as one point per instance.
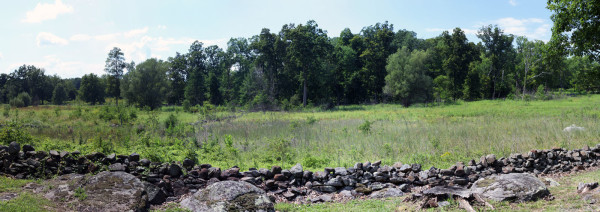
(73, 38)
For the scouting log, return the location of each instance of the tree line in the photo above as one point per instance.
(301, 65)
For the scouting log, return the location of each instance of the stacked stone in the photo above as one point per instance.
(362, 178)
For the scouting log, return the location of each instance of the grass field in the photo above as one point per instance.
(434, 136)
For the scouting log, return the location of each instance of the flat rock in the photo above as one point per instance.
(388, 192)
(448, 190)
(106, 191)
(229, 196)
(512, 187)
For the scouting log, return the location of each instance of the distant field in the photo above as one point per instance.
(434, 136)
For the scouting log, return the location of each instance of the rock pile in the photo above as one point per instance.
(361, 179)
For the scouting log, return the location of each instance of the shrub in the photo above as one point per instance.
(14, 132)
(22, 100)
(541, 93)
(365, 127)
(171, 121)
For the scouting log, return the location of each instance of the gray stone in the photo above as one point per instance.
(116, 167)
(229, 196)
(324, 188)
(110, 157)
(377, 186)
(405, 168)
(550, 182)
(336, 182)
(358, 166)
(297, 171)
(134, 157)
(14, 148)
(145, 162)
(106, 191)
(28, 148)
(322, 198)
(175, 170)
(346, 193)
(513, 186)
(156, 196)
(340, 171)
(388, 192)
(585, 187)
(449, 190)
(443, 204)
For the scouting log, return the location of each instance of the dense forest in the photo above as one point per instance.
(301, 65)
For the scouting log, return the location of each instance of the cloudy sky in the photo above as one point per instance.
(73, 38)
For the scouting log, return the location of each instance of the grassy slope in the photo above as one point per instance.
(434, 136)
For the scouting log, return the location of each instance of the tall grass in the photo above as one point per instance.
(434, 136)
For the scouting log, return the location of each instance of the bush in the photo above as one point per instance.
(171, 121)
(365, 127)
(14, 132)
(541, 93)
(22, 100)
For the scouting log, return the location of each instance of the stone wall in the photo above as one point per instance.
(363, 178)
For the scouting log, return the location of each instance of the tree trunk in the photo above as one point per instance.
(305, 93)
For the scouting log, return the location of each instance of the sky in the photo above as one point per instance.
(73, 38)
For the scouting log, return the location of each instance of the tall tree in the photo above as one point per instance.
(308, 44)
(59, 95)
(92, 89)
(195, 88)
(176, 78)
(458, 53)
(407, 78)
(498, 48)
(378, 46)
(148, 83)
(115, 64)
(577, 22)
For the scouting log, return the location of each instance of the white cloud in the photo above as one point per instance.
(136, 32)
(52, 64)
(533, 28)
(107, 37)
(48, 39)
(45, 11)
(1, 56)
(80, 37)
(162, 27)
(512, 2)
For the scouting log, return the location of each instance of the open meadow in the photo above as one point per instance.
(433, 136)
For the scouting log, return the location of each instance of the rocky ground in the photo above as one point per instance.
(88, 182)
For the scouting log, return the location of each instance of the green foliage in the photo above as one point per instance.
(80, 193)
(21, 100)
(171, 121)
(280, 148)
(407, 80)
(146, 85)
(14, 131)
(311, 120)
(541, 93)
(92, 89)
(6, 111)
(365, 127)
(101, 145)
(59, 95)
(576, 24)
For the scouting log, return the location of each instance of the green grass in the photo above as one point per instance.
(433, 136)
(25, 201)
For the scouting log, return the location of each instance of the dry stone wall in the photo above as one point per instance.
(361, 179)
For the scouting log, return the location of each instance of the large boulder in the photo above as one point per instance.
(106, 191)
(512, 187)
(229, 196)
